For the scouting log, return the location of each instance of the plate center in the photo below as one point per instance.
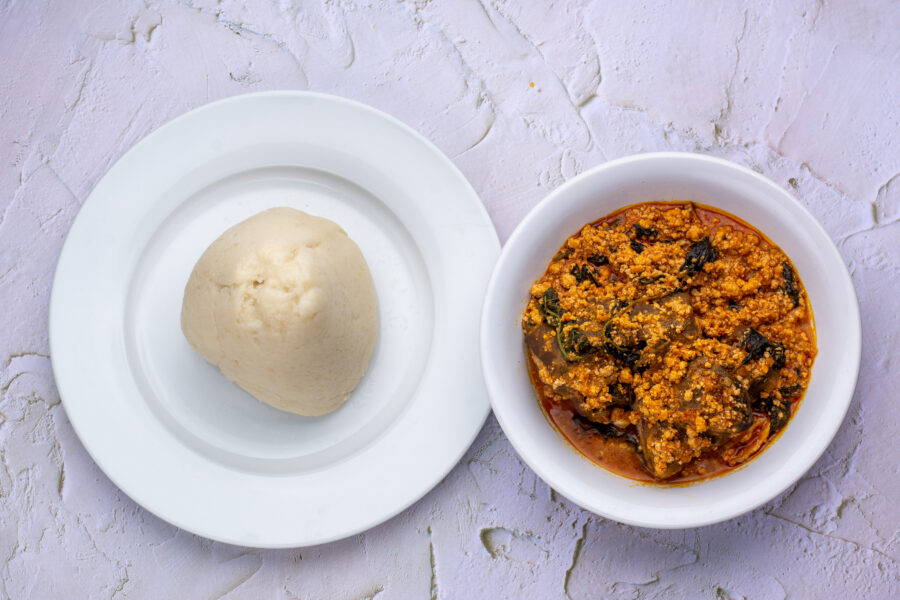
(204, 410)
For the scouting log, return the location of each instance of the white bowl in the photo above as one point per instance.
(671, 176)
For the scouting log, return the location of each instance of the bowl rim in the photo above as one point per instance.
(830, 256)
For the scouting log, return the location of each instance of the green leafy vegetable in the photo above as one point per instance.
(648, 280)
(627, 354)
(549, 307)
(778, 411)
(790, 286)
(789, 391)
(583, 273)
(562, 254)
(758, 346)
(699, 254)
(644, 232)
(573, 343)
(622, 395)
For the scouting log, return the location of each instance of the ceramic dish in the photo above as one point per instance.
(192, 447)
(706, 180)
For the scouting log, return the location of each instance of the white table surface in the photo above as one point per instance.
(806, 92)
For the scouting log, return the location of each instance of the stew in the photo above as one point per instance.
(669, 342)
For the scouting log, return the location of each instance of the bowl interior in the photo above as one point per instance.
(654, 177)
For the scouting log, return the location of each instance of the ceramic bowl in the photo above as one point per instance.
(710, 181)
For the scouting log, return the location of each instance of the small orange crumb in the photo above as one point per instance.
(531, 84)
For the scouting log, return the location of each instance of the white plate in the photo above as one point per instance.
(195, 449)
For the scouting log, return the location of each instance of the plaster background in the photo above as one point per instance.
(805, 92)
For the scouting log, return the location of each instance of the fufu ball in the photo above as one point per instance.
(284, 305)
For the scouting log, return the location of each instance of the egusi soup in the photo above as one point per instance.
(669, 342)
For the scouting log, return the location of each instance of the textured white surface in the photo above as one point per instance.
(805, 92)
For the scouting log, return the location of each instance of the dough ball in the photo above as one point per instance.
(284, 305)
